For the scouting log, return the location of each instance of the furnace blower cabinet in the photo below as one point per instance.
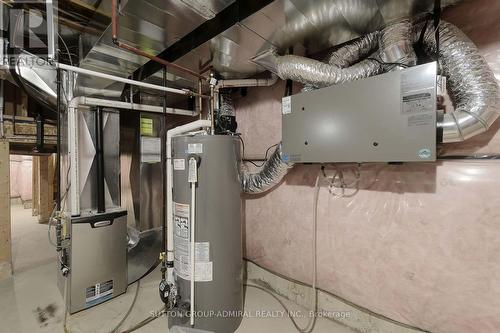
(385, 118)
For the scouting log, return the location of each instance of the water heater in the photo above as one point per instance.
(218, 287)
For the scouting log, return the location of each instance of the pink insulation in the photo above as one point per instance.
(418, 243)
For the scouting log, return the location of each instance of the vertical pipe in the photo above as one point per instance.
(164, 175)
(212, 104)
(101, 207)
(193, 242)
(51, 30)
(40, 132)
(200, 99)
(58, 155)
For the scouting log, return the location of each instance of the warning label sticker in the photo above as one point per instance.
(98, 293)
(286, 105)
(182, 248)
(195, 148)
(417, 103)
(179, 164)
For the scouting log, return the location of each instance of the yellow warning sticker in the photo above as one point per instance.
(147, 126)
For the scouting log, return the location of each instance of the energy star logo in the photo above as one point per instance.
(27, 26)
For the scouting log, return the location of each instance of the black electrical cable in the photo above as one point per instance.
(389, 63)
(437, 19)
(252, 162)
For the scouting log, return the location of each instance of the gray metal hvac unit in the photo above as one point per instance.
(93, 264)
(218, 237)
(385, 118)
(97, 259)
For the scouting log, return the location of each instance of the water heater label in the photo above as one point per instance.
(179, 164)
(195, 148)
(182, 248)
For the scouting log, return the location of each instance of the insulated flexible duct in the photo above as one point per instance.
(472, 85)
(395, 44)
(271, 174)
(319, 74)
(351, 53)
(226, 106)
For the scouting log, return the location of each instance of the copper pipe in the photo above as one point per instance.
(114, 29)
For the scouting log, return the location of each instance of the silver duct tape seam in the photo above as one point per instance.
(270, 175)
(472, 84)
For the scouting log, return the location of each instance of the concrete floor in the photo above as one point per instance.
(30, 301)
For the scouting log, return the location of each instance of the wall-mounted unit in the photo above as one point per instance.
(385, 118)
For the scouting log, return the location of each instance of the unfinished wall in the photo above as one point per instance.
(20, 177)
(418, 243)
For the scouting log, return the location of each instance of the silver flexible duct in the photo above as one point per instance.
(226, 106)
(395, 44)
(472, 85)
(319, 74)
(352, 52)
(270, 175)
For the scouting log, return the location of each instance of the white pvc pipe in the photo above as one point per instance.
(134, 106)
(170, 221)
(124, 80)
(193, 264)
(246, 83)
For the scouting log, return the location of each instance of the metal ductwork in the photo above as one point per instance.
(396, 45)
(37, 77)
(271, 174)
(472, 84)
(350, 53)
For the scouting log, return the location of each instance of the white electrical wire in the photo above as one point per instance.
(312, 319)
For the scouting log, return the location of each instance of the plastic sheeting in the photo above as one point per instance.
(417, 243)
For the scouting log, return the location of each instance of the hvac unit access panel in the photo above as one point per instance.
(385, 118)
